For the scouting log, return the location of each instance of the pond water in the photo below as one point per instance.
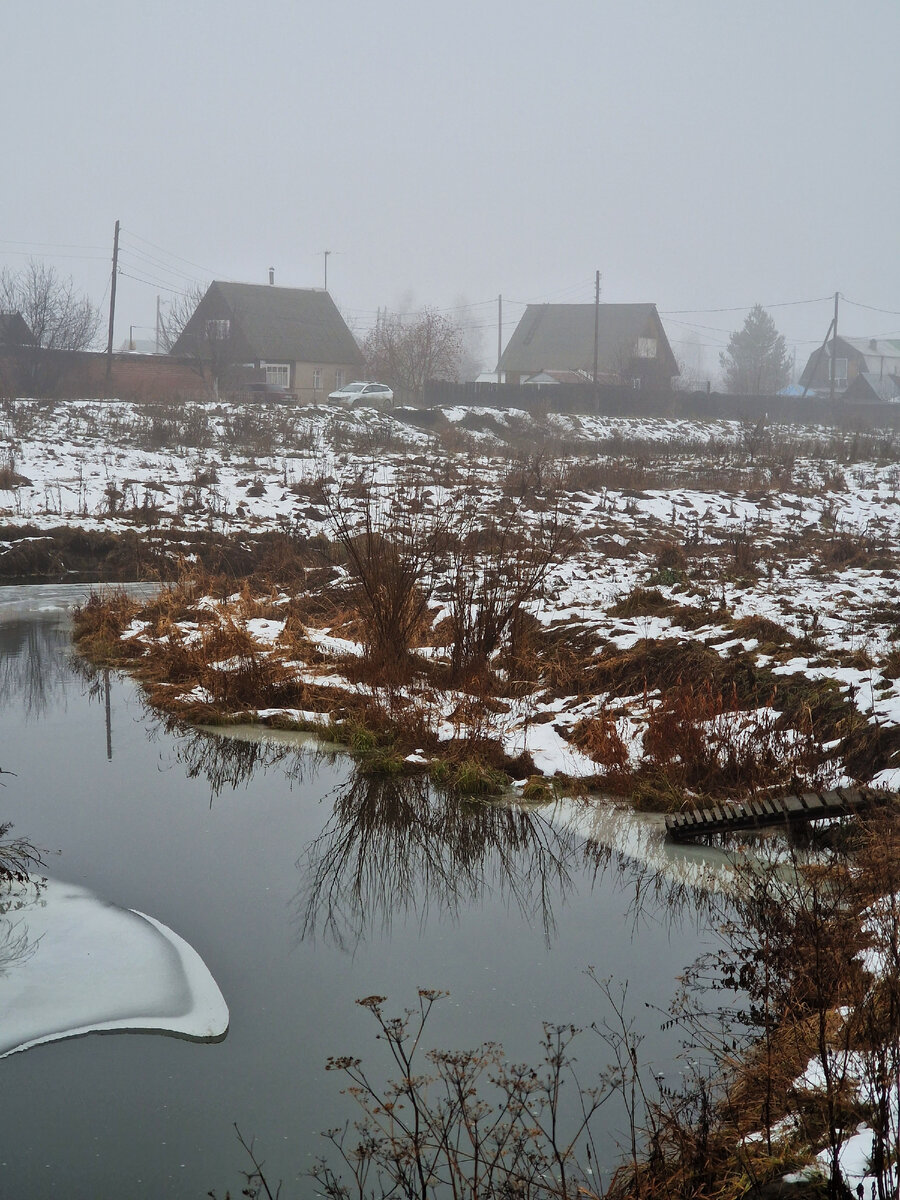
(301, 887)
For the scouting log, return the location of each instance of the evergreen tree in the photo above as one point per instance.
(756, 361)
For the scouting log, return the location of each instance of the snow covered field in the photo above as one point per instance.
(687, 532)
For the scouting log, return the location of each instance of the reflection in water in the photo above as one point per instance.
(395, 847)
(16, 944)
(33, 671)
(230, 758)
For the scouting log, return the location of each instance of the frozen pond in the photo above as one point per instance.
(300, 887)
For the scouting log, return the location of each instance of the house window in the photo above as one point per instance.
(278, 374)
(636, 384)
(317, 379)
(338, 379)
(646, 347)
(218, 331)
(839, 372)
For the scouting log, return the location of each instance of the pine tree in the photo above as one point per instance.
(756, 361)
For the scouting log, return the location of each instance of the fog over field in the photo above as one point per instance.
(702, 156)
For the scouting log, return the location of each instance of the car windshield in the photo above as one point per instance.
(354, 387)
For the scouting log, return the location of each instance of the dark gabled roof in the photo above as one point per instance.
(561, 336)
(14, 330)
(284, 324)
(884, 389)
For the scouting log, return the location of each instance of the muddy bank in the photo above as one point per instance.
(32, 555)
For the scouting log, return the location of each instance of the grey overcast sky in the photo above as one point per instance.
(705, 154)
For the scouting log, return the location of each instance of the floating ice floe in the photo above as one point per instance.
(71, 964)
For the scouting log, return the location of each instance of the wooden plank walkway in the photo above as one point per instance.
(794, 808)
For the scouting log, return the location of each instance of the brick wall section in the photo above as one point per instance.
(140, 377)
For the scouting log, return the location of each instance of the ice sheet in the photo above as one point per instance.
(70, 964)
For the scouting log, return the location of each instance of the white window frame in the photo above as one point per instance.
(277, 373)
(218, 330)
(646, 347)
(338, 379)
(317, 379)
(838, 370)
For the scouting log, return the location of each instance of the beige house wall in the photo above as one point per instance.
(331, 377)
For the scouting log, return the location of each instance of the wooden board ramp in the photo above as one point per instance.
(793, 808)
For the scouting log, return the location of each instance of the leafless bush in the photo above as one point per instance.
(471, 1123)
(498, 567)
(174, 425)
(392, 543)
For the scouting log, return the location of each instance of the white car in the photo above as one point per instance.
(379, 395)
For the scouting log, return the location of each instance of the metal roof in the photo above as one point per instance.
(288, 324)
(561, 336)
(874, 349)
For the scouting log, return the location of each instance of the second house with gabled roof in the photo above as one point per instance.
(631, 344)
(295, 336)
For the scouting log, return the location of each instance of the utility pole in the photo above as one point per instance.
(158, 318)
(834, 348)
(112, 302)
(326, 253)
(596, 327)
(499, 333)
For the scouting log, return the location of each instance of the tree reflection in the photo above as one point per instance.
(230, 761)
(395, 847)
(33, 671)
(399, 848)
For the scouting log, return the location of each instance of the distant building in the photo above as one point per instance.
(852, 356)
(552, 339)
(295, 336)
(14, 330)
(867, 388)
(555, 378)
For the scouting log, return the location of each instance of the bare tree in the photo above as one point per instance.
(59, 319)
(406, 351)
(176, 315)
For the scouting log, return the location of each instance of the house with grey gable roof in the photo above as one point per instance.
(878, 357)
(632, 347)
(295, 336)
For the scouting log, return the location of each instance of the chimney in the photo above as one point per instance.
(271, 276)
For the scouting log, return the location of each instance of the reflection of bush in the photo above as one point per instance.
(17, 859)
(393, 847)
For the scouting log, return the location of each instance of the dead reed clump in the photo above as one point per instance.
(641, 602)
(98, 625)
(599, 738)
(10, 479)
(767, 632)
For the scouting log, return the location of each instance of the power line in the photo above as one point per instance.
(206, 270)
(891, 312)
(50, 245)
(80, 257)
(154, 283)
(670, 312)
(159, 264)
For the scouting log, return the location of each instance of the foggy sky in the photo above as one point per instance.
(702, 154)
